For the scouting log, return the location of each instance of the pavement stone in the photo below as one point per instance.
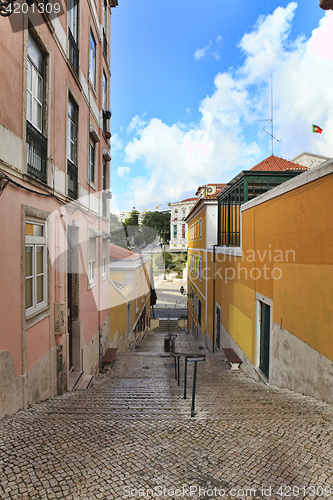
(131, 435)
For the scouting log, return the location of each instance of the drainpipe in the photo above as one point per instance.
(214, 246)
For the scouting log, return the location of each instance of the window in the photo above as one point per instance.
(105, 27)
(35, 266)
(104, 257)
(91, 167)
(200, 228)
(104, 187)
(105, 102)
(92, 61)
(92, 260)
(72, 148)
(36, 142)
(73, 34)
(175, 231)
(35, 86)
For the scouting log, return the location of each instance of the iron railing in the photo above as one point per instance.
(73, 52)
(37, 152)
(72, 172)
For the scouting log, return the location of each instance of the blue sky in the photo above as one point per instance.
(190, 87)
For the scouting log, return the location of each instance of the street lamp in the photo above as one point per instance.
(163, 233)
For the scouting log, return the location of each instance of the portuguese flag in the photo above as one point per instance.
(316, 129)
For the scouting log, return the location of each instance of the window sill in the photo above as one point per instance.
(91, 284)
(34, 317)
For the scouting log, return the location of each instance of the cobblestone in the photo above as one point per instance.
(131, 436)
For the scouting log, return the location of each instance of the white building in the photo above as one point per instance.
(178, 226)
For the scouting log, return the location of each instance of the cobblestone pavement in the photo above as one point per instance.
(131, 436)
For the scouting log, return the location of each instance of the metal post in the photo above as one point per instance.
(164, 277)
(185, 377)
(175, 367)
(178, 370)
(194, 387)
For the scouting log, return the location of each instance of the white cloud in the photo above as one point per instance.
(116, 143)
(228, 138)
(123, 171)
(212, 49)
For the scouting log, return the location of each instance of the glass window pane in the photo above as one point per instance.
(40, 289)
(29, 105)
(29, 83)
(28, 261)
(39, 260)
(28, 293)
(35, 54)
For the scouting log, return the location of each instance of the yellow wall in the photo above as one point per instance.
(287, 245)
(196, 244)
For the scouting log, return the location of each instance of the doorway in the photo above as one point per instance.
(73, 277)
(264, 337)
(218, 327)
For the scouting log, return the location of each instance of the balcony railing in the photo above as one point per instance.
(72, 179)
(73, 52)
(37, 152)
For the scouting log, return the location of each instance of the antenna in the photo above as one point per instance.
(271, 120)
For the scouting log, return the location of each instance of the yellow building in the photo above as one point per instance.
(269, 285)
(129, 296)
(202, 230)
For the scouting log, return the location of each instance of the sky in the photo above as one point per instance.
(191, 91)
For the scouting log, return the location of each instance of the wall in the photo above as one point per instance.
(286, 259)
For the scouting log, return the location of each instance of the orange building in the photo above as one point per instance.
(54, 180)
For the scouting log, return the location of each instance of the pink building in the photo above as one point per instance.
(54, 180)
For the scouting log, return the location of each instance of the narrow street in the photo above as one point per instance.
(131, 435)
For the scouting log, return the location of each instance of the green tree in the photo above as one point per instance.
(117, 231)
(159, 221)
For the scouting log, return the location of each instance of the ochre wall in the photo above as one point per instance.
(287, 245)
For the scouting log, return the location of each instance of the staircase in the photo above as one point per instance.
(168, 325)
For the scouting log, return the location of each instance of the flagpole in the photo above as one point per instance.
(272, 146)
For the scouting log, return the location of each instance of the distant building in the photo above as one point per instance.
(309, 160)
(178, 226)
(130, 283)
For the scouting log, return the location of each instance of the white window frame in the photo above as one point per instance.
(37, 75)
(35, 242)
(72, 125)
(72, 18)
(92, 253)
(92, 161)
(104, 258)
(92, 59)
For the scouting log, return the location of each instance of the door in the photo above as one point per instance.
(218, 327)
(73, 298)
(265, 326)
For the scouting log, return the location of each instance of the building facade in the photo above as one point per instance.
(130, 287)
(268, 289)
(178, 226)
(54, 177)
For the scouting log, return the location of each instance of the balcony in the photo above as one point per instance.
(37, 153)
(72, 179)
(73, 52)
